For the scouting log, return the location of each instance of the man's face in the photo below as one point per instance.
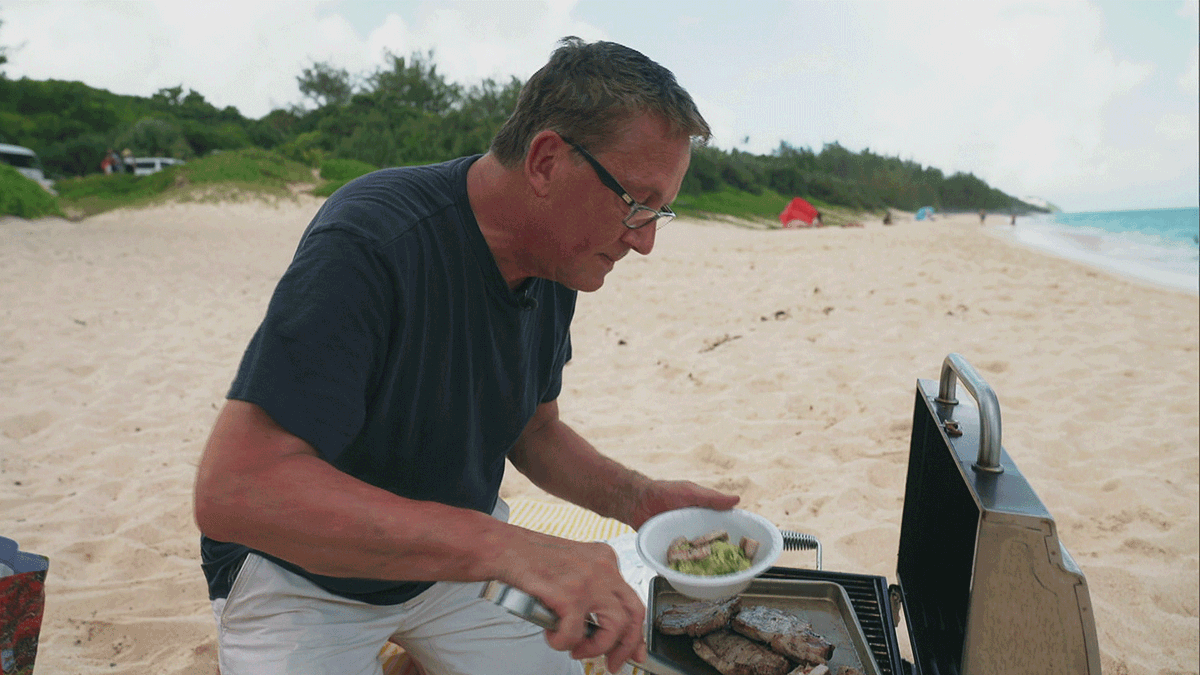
(590, 236)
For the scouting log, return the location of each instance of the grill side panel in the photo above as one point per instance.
(988, 587)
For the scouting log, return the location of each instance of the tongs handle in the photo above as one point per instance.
(519, 603)
(524, 605)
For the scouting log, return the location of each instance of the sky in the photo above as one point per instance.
(1093, 106)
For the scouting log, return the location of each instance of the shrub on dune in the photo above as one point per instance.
(24, 198)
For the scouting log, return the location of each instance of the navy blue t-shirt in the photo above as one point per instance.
(393, 345)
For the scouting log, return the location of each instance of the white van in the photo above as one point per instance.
(27, 163)
(144, 166)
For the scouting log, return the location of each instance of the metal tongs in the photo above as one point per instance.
(524, 605)
(521, 604)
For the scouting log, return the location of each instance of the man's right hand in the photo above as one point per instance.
(577, 580)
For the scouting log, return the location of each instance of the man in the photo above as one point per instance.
(348, 493)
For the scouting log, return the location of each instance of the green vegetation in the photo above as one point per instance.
(767, 204)
(338, 172)
(404, 113)
(835, 176)
(758, 210)
(252, 168)
(345, 169)
(22, 197)
(222, 175)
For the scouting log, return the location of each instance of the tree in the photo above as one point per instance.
(3, 54)
(154, 137)
(326, 85)
(169, 97)
(414, 82)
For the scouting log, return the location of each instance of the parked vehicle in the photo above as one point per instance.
(144, 166)
(27, 163)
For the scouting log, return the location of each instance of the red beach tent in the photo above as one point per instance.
(798, 210)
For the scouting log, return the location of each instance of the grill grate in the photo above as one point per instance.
(869, 597)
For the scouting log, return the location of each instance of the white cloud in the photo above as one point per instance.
(1177, 127)
(139, 47)
(1016, 93)
(1189, 82)
(477, 40)
(252, 62)
(1028, 96)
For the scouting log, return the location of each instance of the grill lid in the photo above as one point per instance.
(987, 587)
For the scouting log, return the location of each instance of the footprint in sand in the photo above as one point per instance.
(994, 366)
(736, 486)
(708, 454)
(20, 426)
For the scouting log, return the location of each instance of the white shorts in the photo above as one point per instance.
(275, 622)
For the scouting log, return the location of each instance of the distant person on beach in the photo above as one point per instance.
(349, 491)
(1014, 220)
(982, 216)
(887, 217)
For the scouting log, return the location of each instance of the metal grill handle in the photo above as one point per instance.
(989, 408)
(798, 541)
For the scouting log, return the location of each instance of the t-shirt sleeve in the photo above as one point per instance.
(562, 356)
(565, 311)
(313, 360)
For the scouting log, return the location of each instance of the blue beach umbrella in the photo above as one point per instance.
(924, 212)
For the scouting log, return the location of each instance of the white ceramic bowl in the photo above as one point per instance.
(656, 534)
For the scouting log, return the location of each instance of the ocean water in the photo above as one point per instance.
(1158, 246)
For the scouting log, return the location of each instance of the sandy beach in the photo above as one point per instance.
(778, 364)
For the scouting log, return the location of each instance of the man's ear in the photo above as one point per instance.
(546, 154)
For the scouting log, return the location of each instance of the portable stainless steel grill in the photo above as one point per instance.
(984, 584)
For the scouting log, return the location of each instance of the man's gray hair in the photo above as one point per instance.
(589, 93)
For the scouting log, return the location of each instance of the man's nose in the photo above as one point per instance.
(641, 239)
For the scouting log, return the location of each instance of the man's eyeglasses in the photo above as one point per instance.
(639, 214)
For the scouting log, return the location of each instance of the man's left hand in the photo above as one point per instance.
(658, 496)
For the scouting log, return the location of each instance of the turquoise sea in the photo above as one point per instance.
(1159, 246)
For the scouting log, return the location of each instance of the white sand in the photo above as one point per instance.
(777, 364)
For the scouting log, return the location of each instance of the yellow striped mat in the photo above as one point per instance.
(557, 519)
(563, 520)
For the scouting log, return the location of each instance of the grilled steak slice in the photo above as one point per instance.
(762, 623)
(697, 618)
(732, 654)
(806, 669)
(682, 549)
(749, 547)
(715, 535)
(804, 646)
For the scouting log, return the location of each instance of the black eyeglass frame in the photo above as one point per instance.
(660, 217)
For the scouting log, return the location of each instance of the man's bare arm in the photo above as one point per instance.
(560, 461)
(261, 486)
